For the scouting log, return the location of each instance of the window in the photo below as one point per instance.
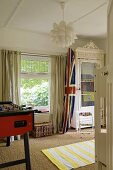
(35, 82)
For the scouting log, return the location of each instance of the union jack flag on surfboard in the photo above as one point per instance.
(70, 90)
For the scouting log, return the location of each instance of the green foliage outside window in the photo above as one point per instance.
(36, 66)
(34, 91)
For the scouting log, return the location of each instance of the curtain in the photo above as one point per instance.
(70, 91)
(10, 74)
(57, 91)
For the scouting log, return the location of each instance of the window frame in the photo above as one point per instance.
(41, 75)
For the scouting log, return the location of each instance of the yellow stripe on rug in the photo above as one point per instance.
(72, 156)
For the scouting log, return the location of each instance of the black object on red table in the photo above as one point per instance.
(15, 121)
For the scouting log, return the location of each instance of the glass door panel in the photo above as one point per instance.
(87, 84)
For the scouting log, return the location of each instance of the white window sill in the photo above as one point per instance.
(42, 117)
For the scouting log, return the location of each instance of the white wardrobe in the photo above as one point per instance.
(88, 59)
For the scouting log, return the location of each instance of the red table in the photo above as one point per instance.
(14, 123)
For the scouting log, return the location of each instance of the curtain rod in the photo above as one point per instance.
(43, 55)
(35, 53)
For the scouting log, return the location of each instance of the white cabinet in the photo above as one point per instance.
(88, 59)
(85, 120)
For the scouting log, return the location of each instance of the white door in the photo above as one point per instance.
(100, 118)
(109, 60)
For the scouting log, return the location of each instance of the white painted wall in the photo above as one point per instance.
(27, 41)
(110, 36)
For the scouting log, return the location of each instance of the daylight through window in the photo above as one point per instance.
(35, 82)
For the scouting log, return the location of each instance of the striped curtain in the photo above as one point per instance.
(70, 90)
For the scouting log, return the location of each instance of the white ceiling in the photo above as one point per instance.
(88, 16)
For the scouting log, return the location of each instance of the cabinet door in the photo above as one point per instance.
(87, 84)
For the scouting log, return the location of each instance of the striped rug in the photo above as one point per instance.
(72, 156)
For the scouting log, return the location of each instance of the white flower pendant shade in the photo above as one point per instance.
(63, 34)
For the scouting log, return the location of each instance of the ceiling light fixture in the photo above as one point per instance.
(63, 33)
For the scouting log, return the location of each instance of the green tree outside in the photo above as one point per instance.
(34, 91)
